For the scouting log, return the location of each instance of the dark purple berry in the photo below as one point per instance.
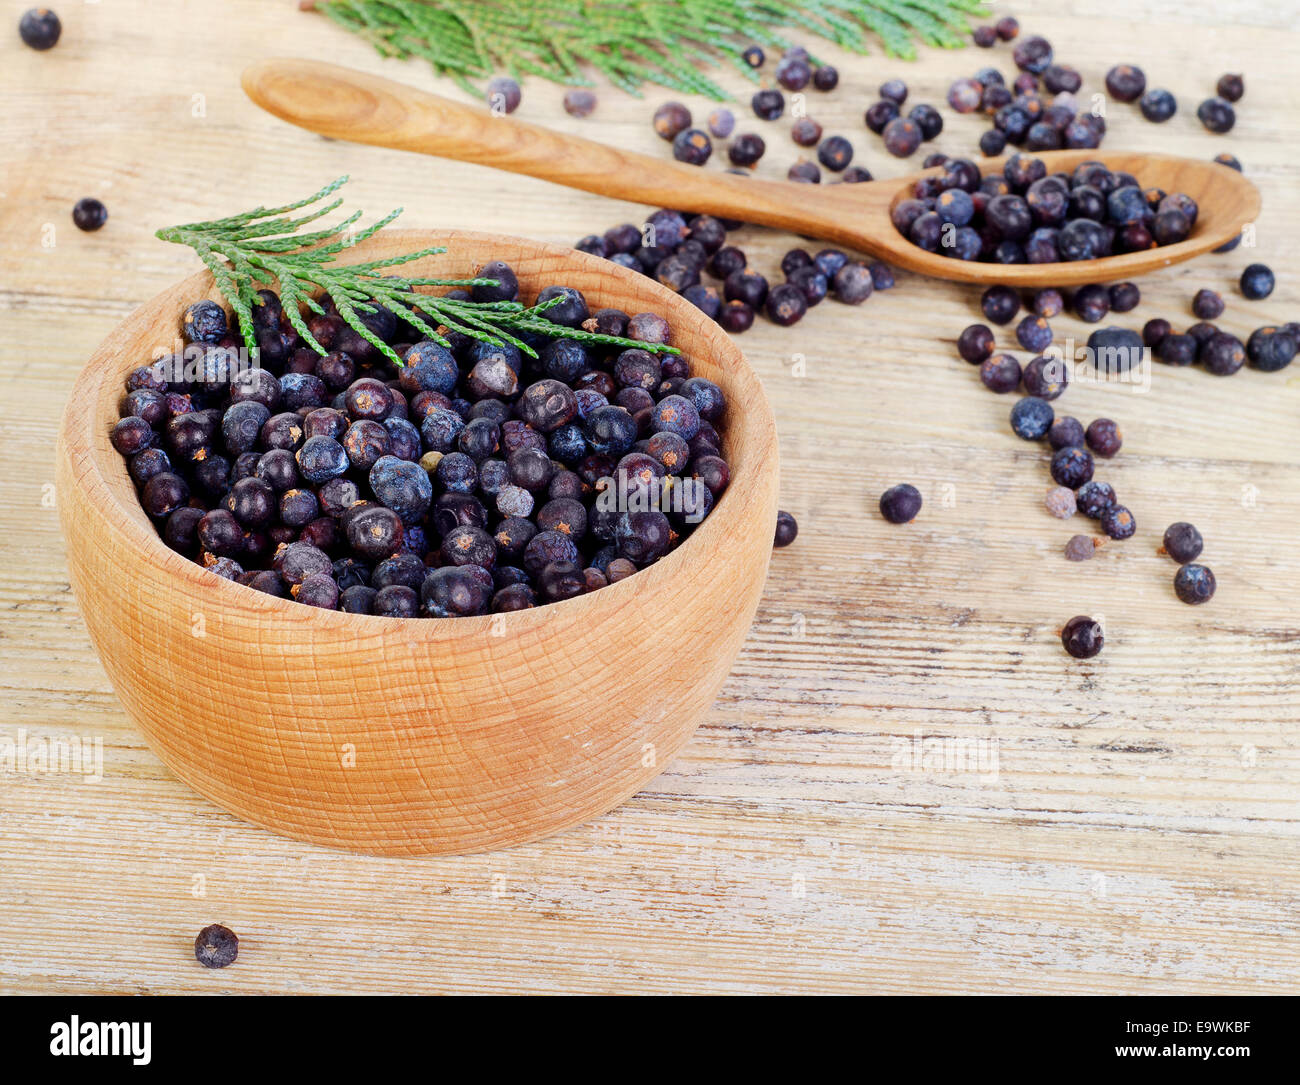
(786, 529)
(1217, 115)
(1182, 542)
(1194, 584)
(216, 946)
(1082, 637)
(900, 504)
(1118, 522)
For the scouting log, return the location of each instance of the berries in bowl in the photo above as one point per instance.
(413, 707)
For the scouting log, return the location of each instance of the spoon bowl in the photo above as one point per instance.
(345, 104)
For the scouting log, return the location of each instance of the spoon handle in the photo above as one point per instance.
(345, 104)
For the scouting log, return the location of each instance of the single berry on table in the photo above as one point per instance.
(1217, 115)
(786, 529)
(1060, 502)
(503, 94)
(579, 102)
(1231, 87)
(768, 104)
(1182, 542)
(1066, 431)
(1158, 105)
(1257, 282)
(1072, 467)
(1031, 418)
(1194, 584)
(89, 214)
(1082, 637)
(216, 946)
(1124, 297)
(746, 149)
(1118, 522)
(1104, 437)
(900, 504)
(670, 119)
(1125, 83)
(1207, 305)
(692, 146)
(40, 28)
(1081, 547)
(975, 343)
(1000, 373)
(1000, 304)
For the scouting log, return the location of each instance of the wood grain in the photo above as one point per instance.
(344, 104)
(1140, 835)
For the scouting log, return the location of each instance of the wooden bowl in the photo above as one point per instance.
(417, 736)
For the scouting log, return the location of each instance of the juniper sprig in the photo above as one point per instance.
(633, 42)
(256, 249)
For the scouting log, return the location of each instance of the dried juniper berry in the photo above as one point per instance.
(131, 435)
(1034, 333)
(928, 119)
(1257, 282)
(1125, 83)
(692, 146)
(1033, 55)
(1082, 547)
(1182, 542)
(1158, 105)
(1031, 418)
(852, 283)
(670, 119)
(204, 322)
(721, 122)
(746, 149)
(1217, 115)
(879, 114)
(1094, 498)
(1222, 354)
(216, 946)
(786, 304)
(374, 532)
(975, 343)
(1000, 304)
(835, 153)
(804, 172)
(1268, 348)
(900, 504)
(503, 94)
(456, 592)
(902, 137)
(1082, 637)
(1072, 467)
(89, 214)
(1118, 522)
(1046, 377)
(746, 285)
(787, 528)
(40, 28)
(1000, 373)
(1060, 502)
(1194, 584)
(1231, 87)
(1207, 305)
(1175, 349)
(984, 36)
(768, 104)
(1104, 437)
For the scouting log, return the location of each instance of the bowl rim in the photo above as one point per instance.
(112, 491)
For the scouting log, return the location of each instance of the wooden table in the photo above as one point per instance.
(1138, 831)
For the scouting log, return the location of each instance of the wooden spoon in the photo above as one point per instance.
(346, 104)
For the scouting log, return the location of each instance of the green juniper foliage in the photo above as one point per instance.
(253, 250)
(632, 42)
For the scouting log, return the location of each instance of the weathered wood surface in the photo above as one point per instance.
(1139, 833)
